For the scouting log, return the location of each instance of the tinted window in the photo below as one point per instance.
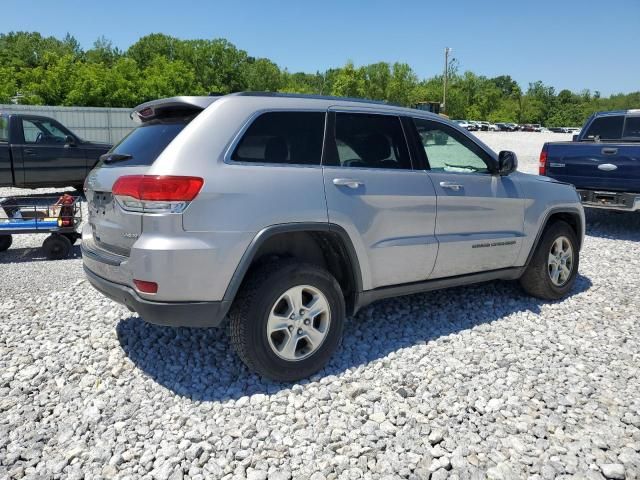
(607, 128)
(283, 137)
(4, 129)
(371, 141)
(145, 143)
(42, 131)
(632, 127)
(448, 150)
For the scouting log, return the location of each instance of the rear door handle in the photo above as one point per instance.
(451, 186)
(347, 182)
(29, 151)
(609, 151)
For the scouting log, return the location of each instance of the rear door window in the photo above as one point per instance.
(605, 128)
(145, 143)
(283, 138)
(632, 128)
(370, 141)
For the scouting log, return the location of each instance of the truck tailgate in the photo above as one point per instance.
(596, 166)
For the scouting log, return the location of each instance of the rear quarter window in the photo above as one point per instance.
(283, 138)
(4, 129)
(632, 128)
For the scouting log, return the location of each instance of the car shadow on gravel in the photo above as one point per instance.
(613, 225)
(33, 254)
(200, 363)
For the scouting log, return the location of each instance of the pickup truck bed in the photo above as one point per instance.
(606, 172)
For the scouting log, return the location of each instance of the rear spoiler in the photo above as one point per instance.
(184, 105)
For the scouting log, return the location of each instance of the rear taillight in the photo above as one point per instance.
(542, 166)
(156, 194)
(145, 286)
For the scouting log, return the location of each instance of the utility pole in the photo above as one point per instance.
(447, 50)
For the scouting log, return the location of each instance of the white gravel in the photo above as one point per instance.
(526, 145)
(467, 383)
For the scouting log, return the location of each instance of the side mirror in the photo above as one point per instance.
(507, 162)
(69, 140)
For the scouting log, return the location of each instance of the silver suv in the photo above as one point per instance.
(287, 213)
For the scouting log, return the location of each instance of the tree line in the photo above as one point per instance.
(40, 70)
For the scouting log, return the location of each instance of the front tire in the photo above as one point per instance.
(287, 320)
(554, 266)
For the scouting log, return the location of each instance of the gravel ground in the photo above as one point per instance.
(476, 382)
(527, 145)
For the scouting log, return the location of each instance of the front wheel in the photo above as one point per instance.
(554, 266)
(287, 320)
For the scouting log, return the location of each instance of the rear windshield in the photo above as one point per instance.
(145, 143)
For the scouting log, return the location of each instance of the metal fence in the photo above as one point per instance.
(91, 123)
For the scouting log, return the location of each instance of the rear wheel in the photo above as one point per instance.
(5, 242)
(73, 237)
(554, 266)
(287, 320)
(56, 247)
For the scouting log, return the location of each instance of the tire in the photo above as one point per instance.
(73, 237)
(537, 279)
(5, 242)
(56, 247)
(263, 293)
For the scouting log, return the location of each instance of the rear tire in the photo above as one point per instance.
(56, 247)
(5, 242)
(287, 320)
(554, 266)
(73, 237)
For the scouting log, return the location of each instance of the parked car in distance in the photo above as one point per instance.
(38, 152)
(506, 127)
(493, 127)
(464, 124)
(603, 161)
(259, 207)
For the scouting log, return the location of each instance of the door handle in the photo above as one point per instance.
(29, 151)
(451, 186)
(609, 151)
(347, 182)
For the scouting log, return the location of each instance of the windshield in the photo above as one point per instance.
(144, 144)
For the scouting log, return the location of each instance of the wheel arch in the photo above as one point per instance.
(323, 244)
(568, 215)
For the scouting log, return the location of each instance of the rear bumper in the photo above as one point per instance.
(174, 314)
(622, 201)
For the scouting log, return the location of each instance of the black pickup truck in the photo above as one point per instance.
(38, 152)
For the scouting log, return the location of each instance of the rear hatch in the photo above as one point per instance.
(114, 228)
(596, 166)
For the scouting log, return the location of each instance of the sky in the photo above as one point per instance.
(565, 43)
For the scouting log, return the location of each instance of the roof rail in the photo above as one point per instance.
(313, 97)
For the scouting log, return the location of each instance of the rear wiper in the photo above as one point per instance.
(115, 157)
